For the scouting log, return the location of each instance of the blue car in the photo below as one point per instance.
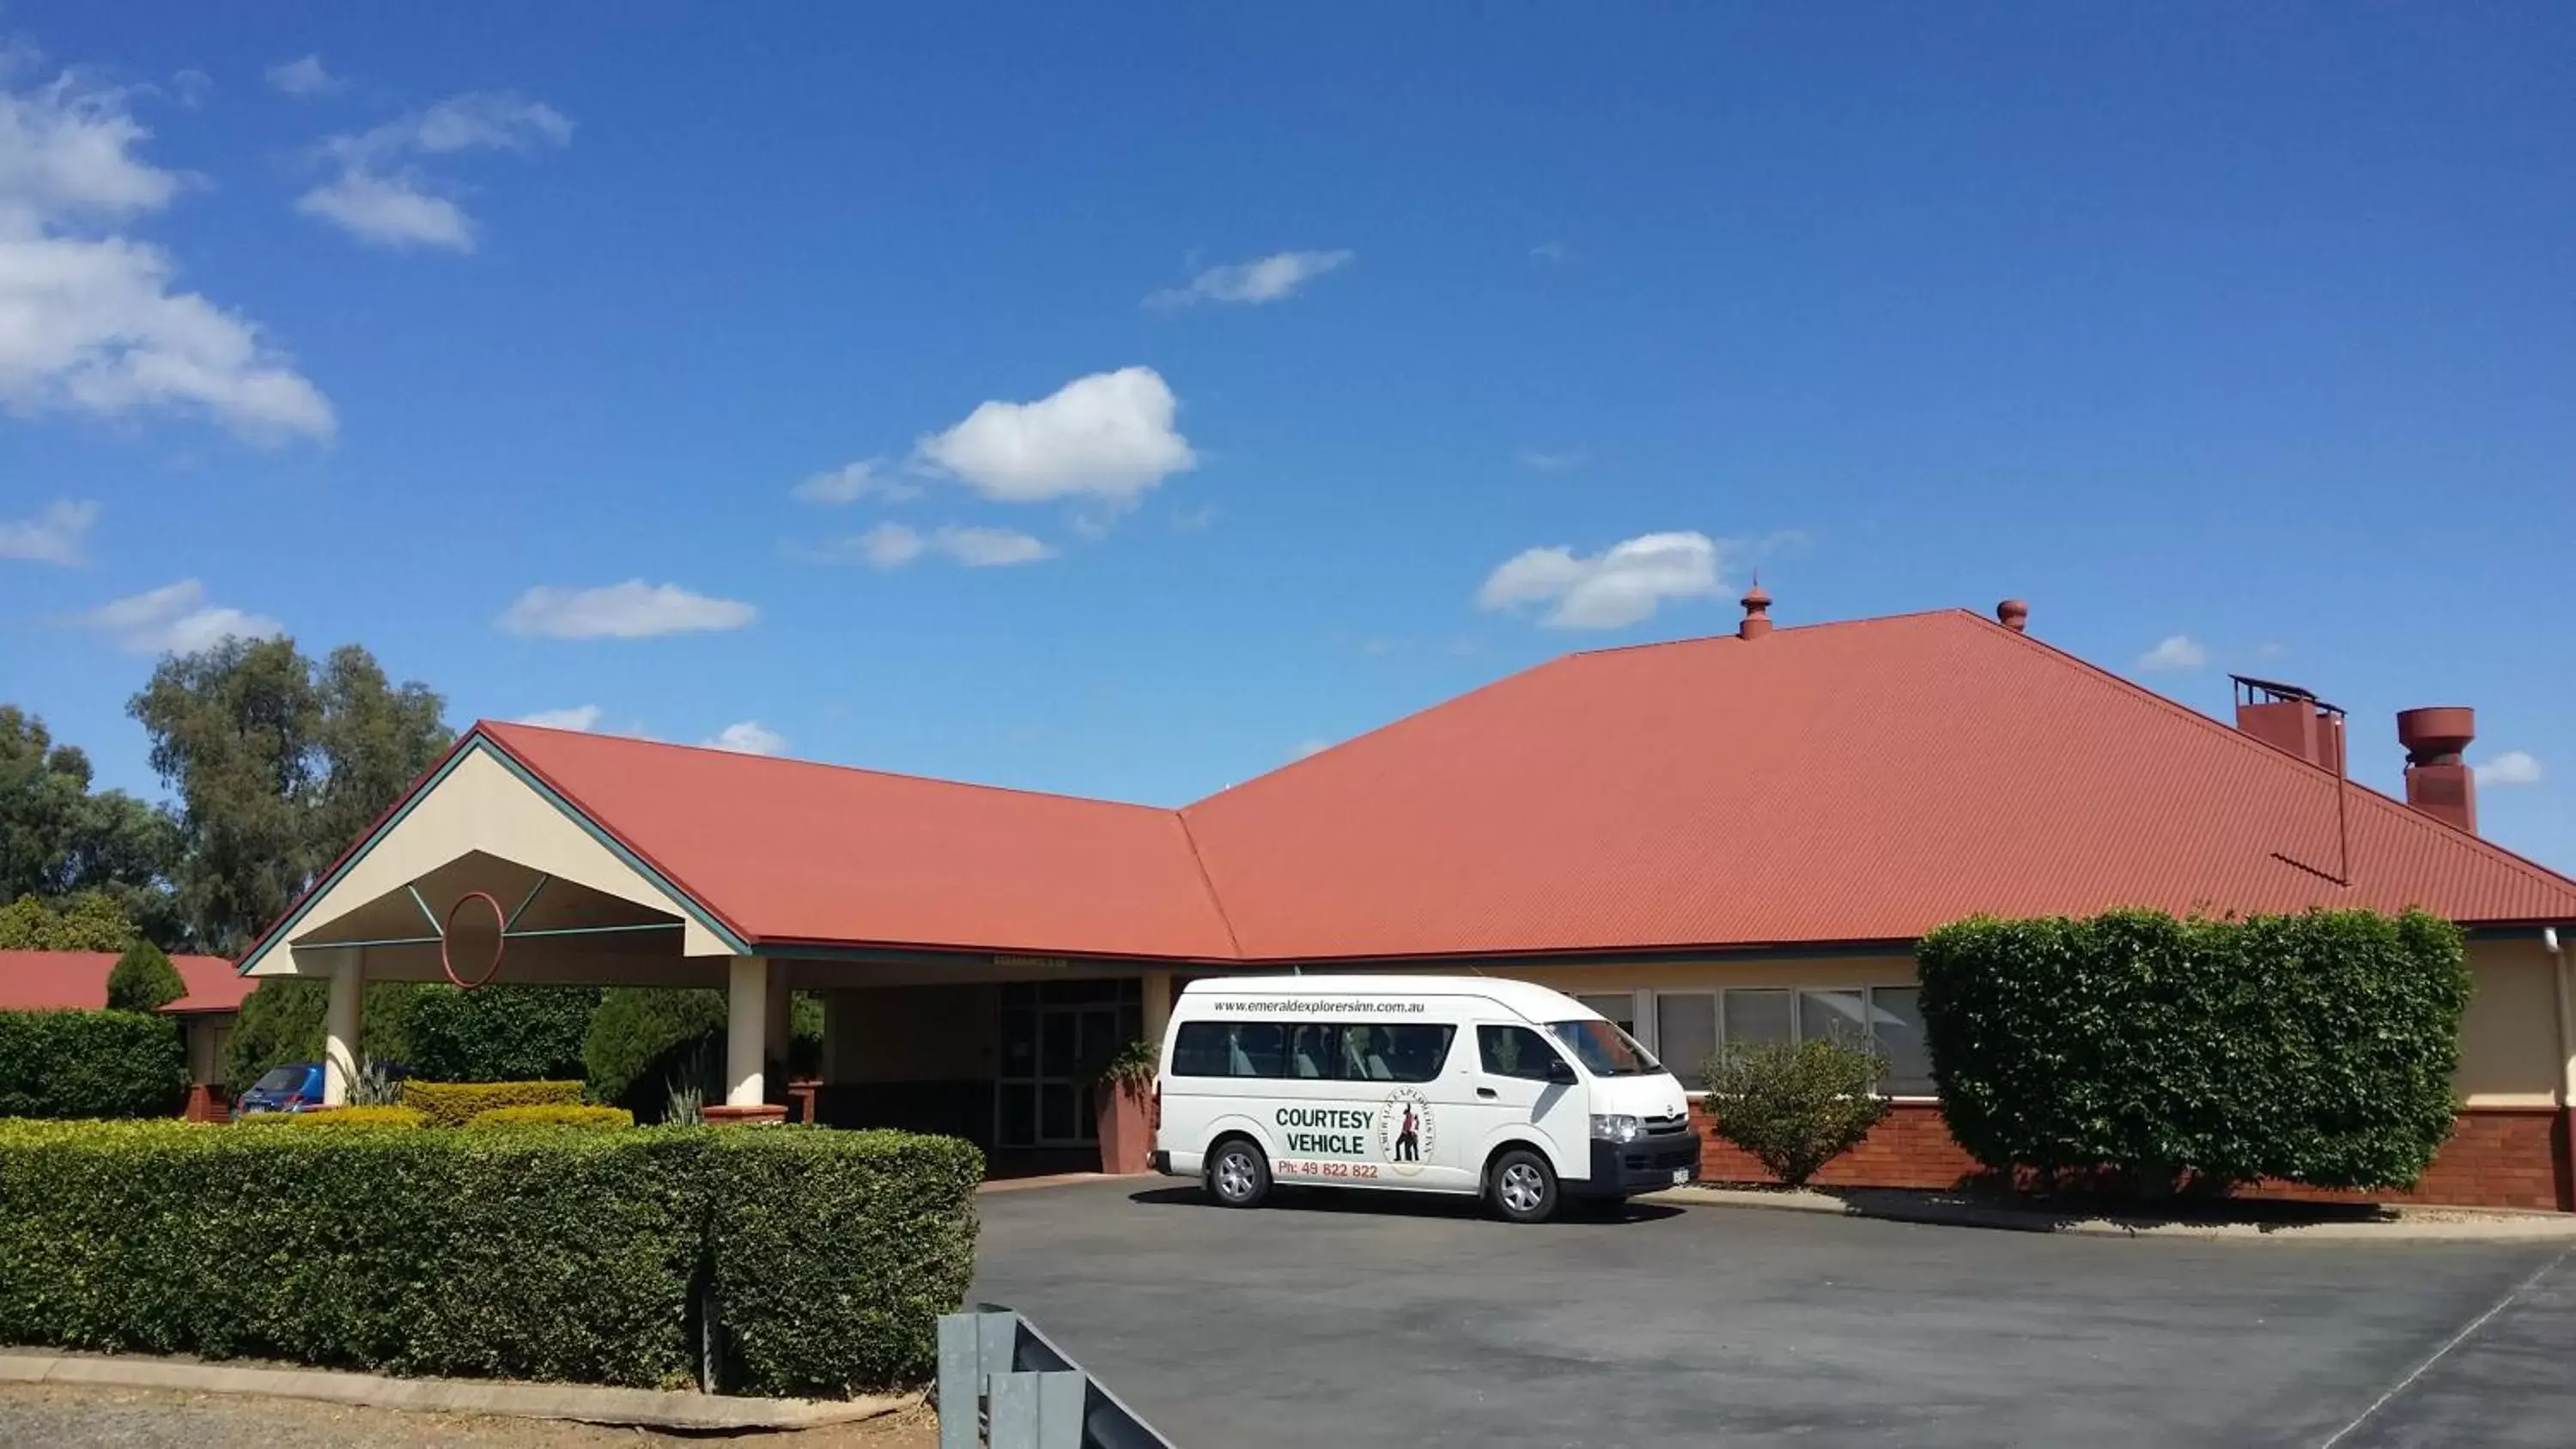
(295, 1087)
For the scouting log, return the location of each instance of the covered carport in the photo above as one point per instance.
(944, 925)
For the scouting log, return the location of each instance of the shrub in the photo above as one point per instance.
(453, 1104)
(2315, 1048)
(143, 980)
(589, 1118)
(499, 1033)
(1795, 1106)
(643, 1040)
(395, 1117)
(71, 1064)
(821, 1259)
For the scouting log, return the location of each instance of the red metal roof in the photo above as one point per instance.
(785, 851)
(59, 980)
(1837, 782)
(1847, 782)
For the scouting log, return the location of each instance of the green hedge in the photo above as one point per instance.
(820, 1259)
(453, 1104)
(71, 1064)
(2315, 1048)
(499, 1033)
(597, 1119)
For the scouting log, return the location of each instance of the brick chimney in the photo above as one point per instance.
(1757, 612)
(2438, 781)
(2290, 719)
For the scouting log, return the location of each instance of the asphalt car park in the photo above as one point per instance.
(1379, 1319)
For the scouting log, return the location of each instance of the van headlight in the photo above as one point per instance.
(1618, 1127)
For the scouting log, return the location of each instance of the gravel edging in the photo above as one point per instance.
(1946, 1210)
(644, 1408)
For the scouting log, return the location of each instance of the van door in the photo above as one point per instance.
(1515, 1099)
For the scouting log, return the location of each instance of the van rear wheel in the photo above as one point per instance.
(1238, 1176)
(1523, 1187)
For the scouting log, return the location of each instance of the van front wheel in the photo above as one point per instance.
(1238, 1176)
(1523, 1187)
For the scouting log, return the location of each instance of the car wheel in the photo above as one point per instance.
(1238, 1176)
(1522, 1187)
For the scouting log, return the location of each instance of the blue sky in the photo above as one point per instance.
(1199, 381)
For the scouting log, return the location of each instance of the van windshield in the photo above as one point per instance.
(1604, 1049)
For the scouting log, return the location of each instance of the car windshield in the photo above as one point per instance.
(1604, 1049)
(280, 1079)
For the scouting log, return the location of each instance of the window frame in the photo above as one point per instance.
(1650, 1020)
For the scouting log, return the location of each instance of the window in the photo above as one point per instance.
(1896, 1020)
(1311, 1051)
(1229, 1049)
(1689, 1024)
(1514, 1051)
(1617, 1006)
(1686, 1032)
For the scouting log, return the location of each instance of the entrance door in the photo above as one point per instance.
(1056, 1036)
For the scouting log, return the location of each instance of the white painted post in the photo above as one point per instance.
(746, 1027)
(341, 1026)
(1158, 1005)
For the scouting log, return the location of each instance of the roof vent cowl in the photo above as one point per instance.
(1757, 612)
(2438, 781)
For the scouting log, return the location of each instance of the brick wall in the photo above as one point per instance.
(2515, 1157)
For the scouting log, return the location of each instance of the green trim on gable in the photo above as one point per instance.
(482, 744)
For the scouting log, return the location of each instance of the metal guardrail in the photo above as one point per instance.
(1004, 1385)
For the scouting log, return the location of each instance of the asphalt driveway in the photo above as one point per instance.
(1380, 1320)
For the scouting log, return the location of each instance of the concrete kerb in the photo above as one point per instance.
(2409, 1224)
(643, 1408)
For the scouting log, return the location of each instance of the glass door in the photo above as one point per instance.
(1056, 1036)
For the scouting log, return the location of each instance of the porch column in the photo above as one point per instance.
(746, 1030)
(340, 1028)
(1158, 1006)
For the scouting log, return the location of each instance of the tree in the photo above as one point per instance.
(1796, 1106)
(58, 840)
(144, 980)
(90, 921)
(278, 764)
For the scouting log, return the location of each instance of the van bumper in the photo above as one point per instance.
(1624, 1169)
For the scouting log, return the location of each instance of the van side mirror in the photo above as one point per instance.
(1560, 1072)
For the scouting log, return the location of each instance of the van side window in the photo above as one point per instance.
(1514, 1051)
(1228, 1049)
(1314, 1051)
(1410, 1053)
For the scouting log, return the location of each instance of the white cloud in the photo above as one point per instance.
(631, 610)
(1306, 748)
(1106, 437)
(88, 319)
(1538, 461)
(853, 481)
(380, 196)
(176, 619)
(749, 737)
(191, 86)
(304, 76)
(54, 536)
(390, 211)
(2177, 651)
(1623, 584)
(984, 548)
(892, 545)
(582, 717)
(2513, 767)
(1550, 252)
(1266, 279)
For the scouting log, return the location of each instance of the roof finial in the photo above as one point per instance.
(2013, 614)
(1757, 612)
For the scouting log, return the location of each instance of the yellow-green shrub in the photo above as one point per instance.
(453, 1104)
(605, 1119)
(355, 1117)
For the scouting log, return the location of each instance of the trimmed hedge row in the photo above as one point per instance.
(67, 1064)
(595, 1119)
(453, 1104)
(2316, 1048)
(813, 1262)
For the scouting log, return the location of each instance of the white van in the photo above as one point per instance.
(1456, 1084)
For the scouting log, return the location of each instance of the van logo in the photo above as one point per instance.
(1405, 1130)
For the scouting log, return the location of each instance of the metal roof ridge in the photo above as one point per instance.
(1207, 883)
